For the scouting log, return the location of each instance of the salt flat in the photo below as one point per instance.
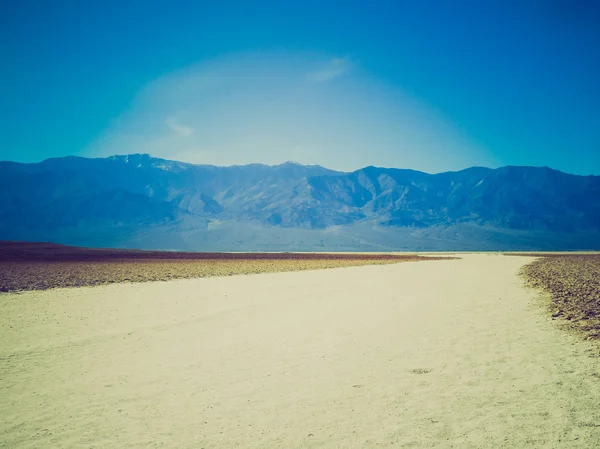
(451, 353)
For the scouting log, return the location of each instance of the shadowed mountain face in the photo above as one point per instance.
(140, 201)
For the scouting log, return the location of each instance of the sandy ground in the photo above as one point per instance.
(450, 353)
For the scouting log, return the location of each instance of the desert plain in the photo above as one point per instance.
(455, 353)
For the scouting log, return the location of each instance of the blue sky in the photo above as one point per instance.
(431, 85)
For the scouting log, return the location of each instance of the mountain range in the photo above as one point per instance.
(138, 201)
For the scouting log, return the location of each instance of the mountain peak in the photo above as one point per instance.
(133, 157)
(296, 164)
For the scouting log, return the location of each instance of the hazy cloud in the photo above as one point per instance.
(177, 128)
(333, 69)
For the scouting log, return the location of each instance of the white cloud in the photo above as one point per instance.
(177, 128)
(334, 68)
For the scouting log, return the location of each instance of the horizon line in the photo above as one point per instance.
(291, 162)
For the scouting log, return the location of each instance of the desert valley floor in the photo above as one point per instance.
(444, 353)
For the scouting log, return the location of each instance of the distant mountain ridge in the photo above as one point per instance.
(140, 201)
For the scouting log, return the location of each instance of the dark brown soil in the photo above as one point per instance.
(39, 266)
(50, 252)
(573, 283)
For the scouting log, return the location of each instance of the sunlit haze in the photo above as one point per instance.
(274, 107)
(430, 85)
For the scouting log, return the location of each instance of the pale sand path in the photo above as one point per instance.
(305, 359)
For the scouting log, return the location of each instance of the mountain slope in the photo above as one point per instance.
(525, 198)
(140, 201)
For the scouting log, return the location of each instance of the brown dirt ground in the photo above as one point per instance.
(40, 266)
(573, 285)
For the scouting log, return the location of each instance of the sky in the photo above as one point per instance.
(428, 85)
